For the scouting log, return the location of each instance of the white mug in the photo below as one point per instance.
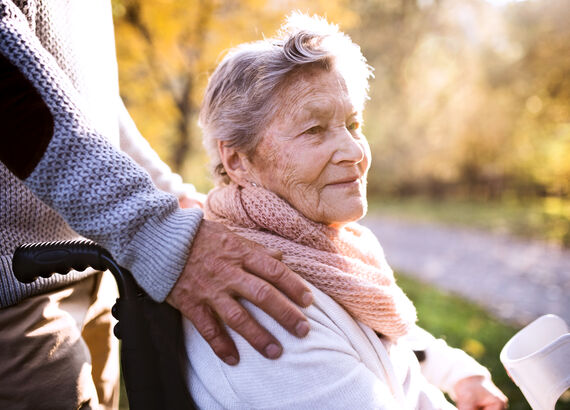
(537, 358)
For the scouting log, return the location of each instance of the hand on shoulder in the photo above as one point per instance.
(223, 267)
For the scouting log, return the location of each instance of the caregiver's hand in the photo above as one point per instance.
(478, 392)
(192, 200)
(222, 267)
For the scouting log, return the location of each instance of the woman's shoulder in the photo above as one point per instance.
(329, 323)
(336, 352)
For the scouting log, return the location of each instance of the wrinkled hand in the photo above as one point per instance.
(478, 392)
(223, 266)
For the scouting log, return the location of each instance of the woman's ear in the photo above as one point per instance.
(236, 164)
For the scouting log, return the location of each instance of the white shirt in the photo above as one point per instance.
(340, 364)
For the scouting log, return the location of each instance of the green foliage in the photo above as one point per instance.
(468, 97)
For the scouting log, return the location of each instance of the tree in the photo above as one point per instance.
(468, 97)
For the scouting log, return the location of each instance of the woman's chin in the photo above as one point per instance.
(348, 214)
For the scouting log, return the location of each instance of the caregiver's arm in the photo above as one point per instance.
(50, 144)
(137, 147)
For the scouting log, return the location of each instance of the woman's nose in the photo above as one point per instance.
(349, 149)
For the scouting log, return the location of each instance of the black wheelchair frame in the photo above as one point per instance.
(152, 351)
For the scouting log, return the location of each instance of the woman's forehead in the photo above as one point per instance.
(316, 95)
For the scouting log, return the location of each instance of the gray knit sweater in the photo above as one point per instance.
(82, 184)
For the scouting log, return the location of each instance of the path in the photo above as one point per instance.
(517, 280)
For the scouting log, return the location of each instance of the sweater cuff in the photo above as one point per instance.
(158, 252)
(445, 366)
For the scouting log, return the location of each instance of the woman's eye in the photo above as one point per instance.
(353, 126)
(314, 130)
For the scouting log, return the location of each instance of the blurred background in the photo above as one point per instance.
(470, 100)
(468, 121)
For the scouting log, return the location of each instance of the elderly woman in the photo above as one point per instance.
(282, 121)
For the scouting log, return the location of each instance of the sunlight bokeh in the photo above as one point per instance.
(502, 2)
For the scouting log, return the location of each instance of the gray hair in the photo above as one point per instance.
(240, 100)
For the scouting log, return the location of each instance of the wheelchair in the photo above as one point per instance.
(152, 351)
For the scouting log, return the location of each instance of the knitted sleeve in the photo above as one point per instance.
(100, 192)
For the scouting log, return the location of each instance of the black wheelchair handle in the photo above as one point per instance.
(46, 258)
(151, 383)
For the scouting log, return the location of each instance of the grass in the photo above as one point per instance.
(546, 219)
(467, 326)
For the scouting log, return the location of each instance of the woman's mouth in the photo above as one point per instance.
(345, 183)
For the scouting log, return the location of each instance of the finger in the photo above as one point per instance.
(239, 319)
(214, 333)
(274, 253)
(278, 274)
(272, 302)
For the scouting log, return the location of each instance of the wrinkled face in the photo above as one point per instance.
(313, 154)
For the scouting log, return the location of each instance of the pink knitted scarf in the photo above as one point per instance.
(346, 263)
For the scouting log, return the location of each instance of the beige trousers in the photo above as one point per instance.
(57, 350)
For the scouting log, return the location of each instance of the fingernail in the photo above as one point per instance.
(276, 254)
(307, 298)
(231, 360)
(302, 328)
(273, 351)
